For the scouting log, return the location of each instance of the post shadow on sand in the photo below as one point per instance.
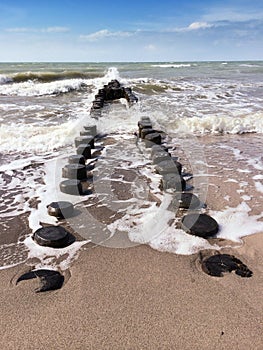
(218, 264)
(48, 279)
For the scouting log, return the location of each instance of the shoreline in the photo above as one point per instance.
(132, 297)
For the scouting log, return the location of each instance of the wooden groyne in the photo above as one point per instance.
(78, 180)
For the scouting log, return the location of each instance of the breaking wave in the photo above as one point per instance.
(252, 123)
(46, 77)
(31, 88)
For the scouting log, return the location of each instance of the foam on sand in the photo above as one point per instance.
(236, 223)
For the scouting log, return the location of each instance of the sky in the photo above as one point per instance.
(131, 30)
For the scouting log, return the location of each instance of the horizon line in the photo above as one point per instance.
(119, 61)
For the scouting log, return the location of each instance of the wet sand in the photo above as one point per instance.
(140, 298)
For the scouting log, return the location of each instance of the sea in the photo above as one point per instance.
(213, 111)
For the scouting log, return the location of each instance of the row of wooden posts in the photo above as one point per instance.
(78, 180)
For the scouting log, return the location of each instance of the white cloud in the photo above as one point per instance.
(199, 25)
(232, 15)
(105, 33)
(38, 30)
(18, 30)
(150, 47)
(56, 30)
(194, 26)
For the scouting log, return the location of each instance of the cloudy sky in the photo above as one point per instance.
(132, 30)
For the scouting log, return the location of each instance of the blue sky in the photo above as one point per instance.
(132, 30)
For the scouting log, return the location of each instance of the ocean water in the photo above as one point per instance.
(43, 107)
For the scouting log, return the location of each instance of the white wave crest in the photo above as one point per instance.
(31, 88)
(32, 138)
(181, 65)
(249, 65)
(5, 79)
(211, 124)
(112, 73)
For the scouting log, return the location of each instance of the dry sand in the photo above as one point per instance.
(138, 298)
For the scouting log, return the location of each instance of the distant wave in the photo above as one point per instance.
(45, 77)
(53, 83)
(181, 65)
(249, 65)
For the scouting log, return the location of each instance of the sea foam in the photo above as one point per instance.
(183, 104)
(5, 79)
(31, 88)
(251, 123)
(236, 222)
(33, 138)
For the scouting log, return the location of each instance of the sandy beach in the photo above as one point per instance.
(137, 298)
(141, 298)
(86, 90)
(107, 241)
